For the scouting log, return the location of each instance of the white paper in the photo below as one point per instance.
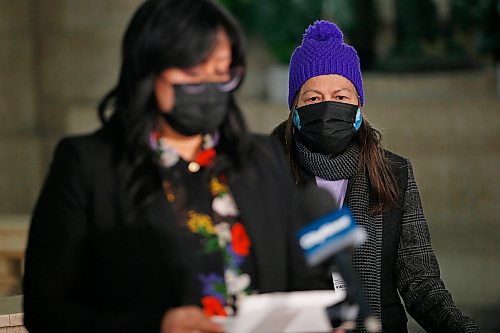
(293, 312)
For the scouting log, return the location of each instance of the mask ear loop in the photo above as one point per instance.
(296, 118)
(359, 119)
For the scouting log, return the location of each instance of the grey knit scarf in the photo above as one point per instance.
(367, 258)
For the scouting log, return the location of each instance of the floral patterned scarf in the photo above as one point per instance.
(219, 233)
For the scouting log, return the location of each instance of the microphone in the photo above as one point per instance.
(329, 239)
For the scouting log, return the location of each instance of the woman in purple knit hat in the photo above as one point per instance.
(328, 141)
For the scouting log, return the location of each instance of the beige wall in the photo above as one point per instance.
(20, 155)
(57, 57)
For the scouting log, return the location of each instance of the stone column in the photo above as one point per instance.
(57, 58)
(20, 154)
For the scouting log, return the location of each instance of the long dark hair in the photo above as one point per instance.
(164, 34)
(383, 184)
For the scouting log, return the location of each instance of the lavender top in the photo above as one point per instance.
(337, 188)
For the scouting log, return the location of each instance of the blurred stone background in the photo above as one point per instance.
(431, 87)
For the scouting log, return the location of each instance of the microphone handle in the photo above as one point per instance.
(354, 291)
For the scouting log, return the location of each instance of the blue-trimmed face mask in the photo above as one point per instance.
(327, 127)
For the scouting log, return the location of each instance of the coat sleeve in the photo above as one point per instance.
(418, 278)
(57, 292)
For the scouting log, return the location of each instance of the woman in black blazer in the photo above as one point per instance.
(171, 211)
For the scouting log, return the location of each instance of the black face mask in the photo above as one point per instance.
(198, 109)
(327, 127)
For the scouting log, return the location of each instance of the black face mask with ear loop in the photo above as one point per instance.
(198, 109)
(327, 127)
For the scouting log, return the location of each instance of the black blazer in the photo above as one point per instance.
(88, 270)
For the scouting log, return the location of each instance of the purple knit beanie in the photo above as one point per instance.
(323, 52)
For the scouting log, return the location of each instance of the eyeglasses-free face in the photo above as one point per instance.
(323, 88)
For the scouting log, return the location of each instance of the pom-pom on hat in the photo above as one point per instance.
(323, 52)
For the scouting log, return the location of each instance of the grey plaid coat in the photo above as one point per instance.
(409, 267)
(397, 261)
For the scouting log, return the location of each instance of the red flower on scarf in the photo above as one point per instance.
(206, 157)
(212, 306)
(240, 240)
(155, 135)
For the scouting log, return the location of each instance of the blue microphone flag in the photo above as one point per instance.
(329, 234)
